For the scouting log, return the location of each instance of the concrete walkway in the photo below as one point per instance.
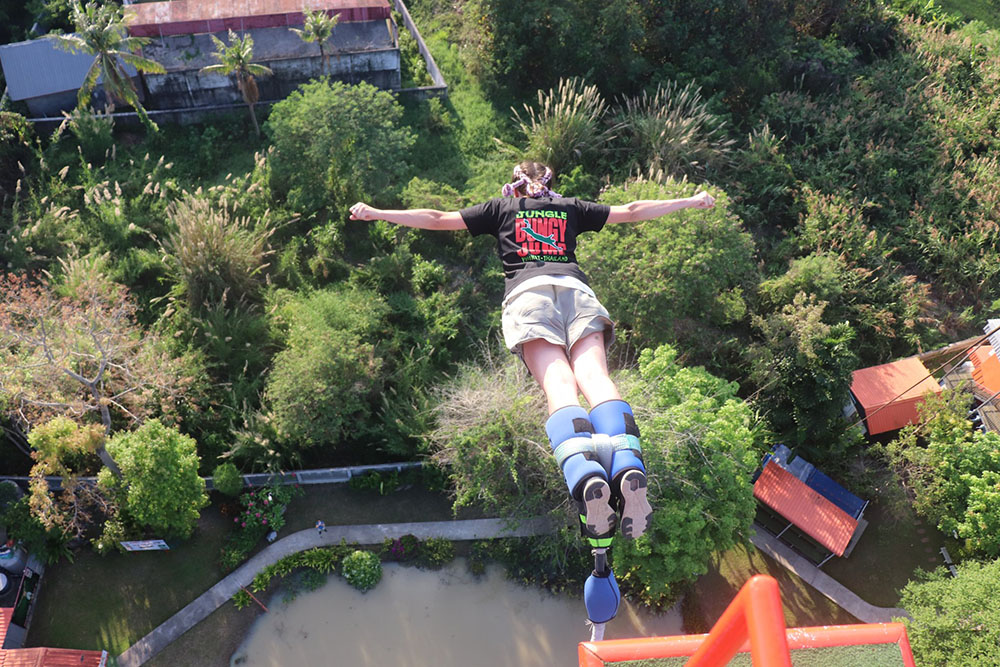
(823, 582)
(222, 592)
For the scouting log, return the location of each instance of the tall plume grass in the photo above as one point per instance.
(567, 126)
(673, 131)
(215, 258)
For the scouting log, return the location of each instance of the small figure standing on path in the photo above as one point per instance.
(320, 527)
(553, 321)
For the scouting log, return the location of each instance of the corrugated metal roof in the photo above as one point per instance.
(185, 17)
(889, 393)
(986, 368)
(805, 507)
(39, 67)
(900, 380)
(994, 337)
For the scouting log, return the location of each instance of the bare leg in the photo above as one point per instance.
(589, 362)
(548, 364)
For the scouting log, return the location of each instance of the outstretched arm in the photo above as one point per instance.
(421, 218)
(647, 209)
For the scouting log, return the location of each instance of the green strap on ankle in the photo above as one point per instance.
(571, 446)
(626, 441)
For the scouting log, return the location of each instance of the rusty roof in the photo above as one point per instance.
(805, 508)
(176, 17)
(42, 657)
(896, 381)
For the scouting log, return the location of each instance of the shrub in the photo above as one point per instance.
(363, 570)
(323, 383)
(677, 276)
(673, 130)
(385, 483)
(263, 511)
(227, 480)
(336, 144)
(94, 133)
(436, 552)
(49, 545)
(401, 549)
(17, 154)
(212, 256)
(490, 437)
(567, 127)
(160, 488)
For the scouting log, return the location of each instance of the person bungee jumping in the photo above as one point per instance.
(553, 321)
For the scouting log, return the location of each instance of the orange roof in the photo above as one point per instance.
(806, 508)
(986, 368)
(878, 385)
(889, 393)
(183, 17)
(42, 657)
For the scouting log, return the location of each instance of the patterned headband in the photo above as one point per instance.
(532, 188)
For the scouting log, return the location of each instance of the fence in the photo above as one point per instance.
(317, 476)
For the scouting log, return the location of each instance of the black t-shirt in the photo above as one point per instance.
(536, 236)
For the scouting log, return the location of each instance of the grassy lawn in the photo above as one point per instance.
(117, 599)
(712, 593)
(887, 555)
(986, 11)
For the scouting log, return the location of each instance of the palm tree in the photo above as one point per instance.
(235, 59)
(318, 27)
(101, 31)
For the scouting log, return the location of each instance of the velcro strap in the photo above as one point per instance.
(626, 441)
(571, 446)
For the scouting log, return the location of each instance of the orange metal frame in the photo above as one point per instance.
(753, 621)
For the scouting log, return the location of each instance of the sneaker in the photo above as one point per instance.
(600, 517)
(636, 512)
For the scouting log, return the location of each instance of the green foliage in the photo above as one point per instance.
(567, 127)
(382, 482)
(49, 545)
(700, 447)
(214, 257)
(94, 134)
(160, 489)
(436, 552)
(262, 511)
(18, 156)
(242, 599)
(673, 278)
(674, 131)
(401, 549)
(804, 367)
(336, 144)
(954, 620)
(489, 436)
(362, 569)
(953, 471)
(324, 380)
(227, 480)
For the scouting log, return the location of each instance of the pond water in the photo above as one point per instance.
(445, 618)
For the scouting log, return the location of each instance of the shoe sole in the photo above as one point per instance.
(600, 517)
(636, 511)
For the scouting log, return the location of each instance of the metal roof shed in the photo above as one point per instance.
(44, 75)
(805, 508)
(888, 395)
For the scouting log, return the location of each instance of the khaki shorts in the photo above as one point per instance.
(561, 315)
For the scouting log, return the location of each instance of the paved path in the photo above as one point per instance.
(220, 593)
(823, 582)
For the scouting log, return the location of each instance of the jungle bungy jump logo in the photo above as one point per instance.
(541, 235)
